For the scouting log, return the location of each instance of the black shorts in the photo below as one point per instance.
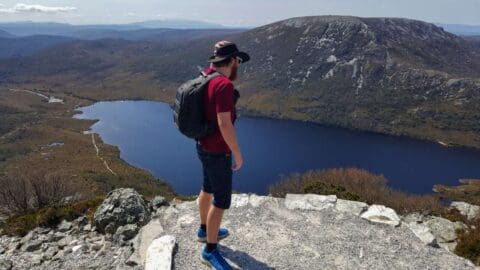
(217, 176)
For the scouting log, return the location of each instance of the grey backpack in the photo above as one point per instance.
(189, 108)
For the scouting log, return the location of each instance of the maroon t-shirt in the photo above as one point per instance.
(219, 98)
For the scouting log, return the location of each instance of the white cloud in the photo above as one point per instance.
(24, 8)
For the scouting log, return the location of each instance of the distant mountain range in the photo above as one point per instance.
(5, 34)
(21, 46)
(388, 75)
(63, 29)
(461, 29)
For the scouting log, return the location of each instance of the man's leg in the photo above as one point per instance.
(214, 219)
(204, 203)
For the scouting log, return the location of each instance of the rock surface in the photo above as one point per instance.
(316, 232)
(381, 214)
(121, 207)
(469, 210)
(159, 253)
(265, 234)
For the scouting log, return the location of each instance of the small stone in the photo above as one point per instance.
(32, 245)
(413, 217)
(381, 214)
(157, 202)
(6, 264)
(87, 227)
(77, 247)
(36, 259)
(65, 241)
(127, 232)
(352, 207)
(469, 210)
(423, 233)
(81, 221)
(96, 246)
(443, 229)
(2, 250)
(31, 235)
(42, 230)
(64, 226)
(159, 253)
(60, 254)
(50, 252)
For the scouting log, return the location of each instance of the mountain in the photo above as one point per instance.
(154, 34)
(388, 75)
(474, 40)
(28, 28)
(177, 24)
(26, 46)
(461, 29)
(29, 45)
(5, 34)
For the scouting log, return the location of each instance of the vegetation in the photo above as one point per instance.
(356, 184)
(45, 158)
(469, 242)
(50, 216)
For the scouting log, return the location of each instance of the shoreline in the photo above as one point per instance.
(259, 115)
(79, 112)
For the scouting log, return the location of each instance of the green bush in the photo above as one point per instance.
(329, 189)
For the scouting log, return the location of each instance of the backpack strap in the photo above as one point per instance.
(211, 75)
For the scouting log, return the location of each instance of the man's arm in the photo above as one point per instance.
(228, 132)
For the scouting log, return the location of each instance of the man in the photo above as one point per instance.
(215, 151)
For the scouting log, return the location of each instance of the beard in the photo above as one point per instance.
(234, 73)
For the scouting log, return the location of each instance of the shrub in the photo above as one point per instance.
(51, 216)
(356, 184)
(468, 245)
(24, 191)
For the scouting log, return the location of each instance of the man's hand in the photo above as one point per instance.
(238, 162)
(228, 133)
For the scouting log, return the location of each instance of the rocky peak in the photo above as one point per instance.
(298, 232)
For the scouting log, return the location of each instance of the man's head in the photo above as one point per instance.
(227, 57)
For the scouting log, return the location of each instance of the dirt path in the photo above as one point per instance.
(97, 150)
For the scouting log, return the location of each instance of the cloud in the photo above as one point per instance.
(24, 8)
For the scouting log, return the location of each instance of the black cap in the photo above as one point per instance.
(226, 51)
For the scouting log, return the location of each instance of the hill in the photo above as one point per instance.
(388, 75)
(29, 28)
(5, 34)
(11, 47)
(474, 40)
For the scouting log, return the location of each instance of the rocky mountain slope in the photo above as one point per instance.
(298, 232)
(389, 75)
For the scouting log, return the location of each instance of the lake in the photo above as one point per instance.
(148, 138)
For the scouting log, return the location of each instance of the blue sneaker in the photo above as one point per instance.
(214, 260)
(202, 234)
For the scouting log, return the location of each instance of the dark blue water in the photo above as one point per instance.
(147, 137)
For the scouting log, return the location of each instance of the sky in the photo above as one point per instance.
(244, 13)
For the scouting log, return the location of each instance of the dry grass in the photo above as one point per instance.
(469, 241)
(356, 184)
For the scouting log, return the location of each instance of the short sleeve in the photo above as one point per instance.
(224, 97)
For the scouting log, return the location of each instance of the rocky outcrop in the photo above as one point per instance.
(298, 232)
(122, 207)
(466, 209)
